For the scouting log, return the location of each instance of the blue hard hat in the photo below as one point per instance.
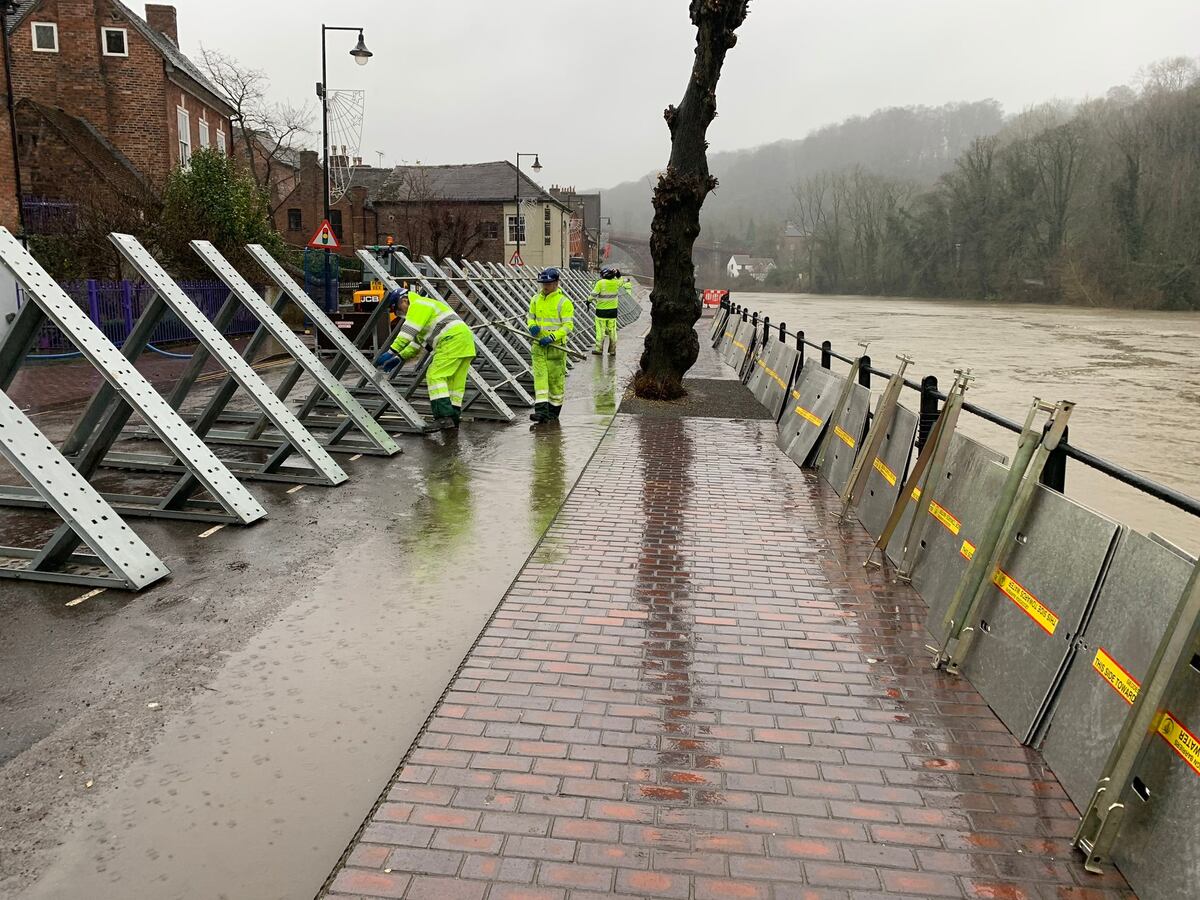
(548, 276)
(608, 272)
(394, 296)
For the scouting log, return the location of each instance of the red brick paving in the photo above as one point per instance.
(695, 690)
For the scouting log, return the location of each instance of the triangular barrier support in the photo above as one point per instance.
(378, 395)
(481, 400)
(206, 491)
(294, 440)
(356, 431)
(121, 559)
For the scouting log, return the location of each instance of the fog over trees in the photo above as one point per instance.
(1093, 203)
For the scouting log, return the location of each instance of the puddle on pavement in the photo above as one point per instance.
(262, 772)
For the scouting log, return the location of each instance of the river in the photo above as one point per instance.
(1131, 373)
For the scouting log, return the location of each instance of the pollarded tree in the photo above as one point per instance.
(672, 345)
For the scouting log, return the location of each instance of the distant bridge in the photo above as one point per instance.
(637, 247)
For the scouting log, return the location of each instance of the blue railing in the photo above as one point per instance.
(116, 305)
(44, 216)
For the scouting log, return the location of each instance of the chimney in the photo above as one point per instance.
(162, 19)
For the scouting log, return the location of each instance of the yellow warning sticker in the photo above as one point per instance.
(888, 475)
(967, 550)
(846, 439)
(1028, 604)
(774, 375)
(1112, 672)
(1181, 740)
(943, 515)
(805, 414)
(916, 493)
(739, 345)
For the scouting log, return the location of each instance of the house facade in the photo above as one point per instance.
(755, 267)
(122, 78)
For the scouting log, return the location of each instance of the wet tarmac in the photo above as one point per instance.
(223, 733)
(1131, 374)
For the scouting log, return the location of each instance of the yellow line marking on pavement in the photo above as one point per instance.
(293, 490)
(88, 596)
(211, 531)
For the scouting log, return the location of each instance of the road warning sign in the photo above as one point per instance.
(515, 259)
(324, 239)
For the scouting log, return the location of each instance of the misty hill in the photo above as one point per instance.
(916, 143)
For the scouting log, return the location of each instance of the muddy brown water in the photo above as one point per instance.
(1134, 376)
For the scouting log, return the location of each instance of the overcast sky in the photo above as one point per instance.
(584, 82)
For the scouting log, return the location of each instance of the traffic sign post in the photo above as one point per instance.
(324, 239)
(515, 259)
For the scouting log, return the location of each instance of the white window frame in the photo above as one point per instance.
(512, 229)
(221, 148)
(205, 134)
(33, 27)
(548, 236)
(104, 40)
(183, 121)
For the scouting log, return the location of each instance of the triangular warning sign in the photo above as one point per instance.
(515, 259)
(324, 239)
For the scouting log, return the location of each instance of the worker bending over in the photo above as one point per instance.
(606, 296)
(551, 318)
(432, 324)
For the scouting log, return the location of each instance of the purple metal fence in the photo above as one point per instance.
(115, 305)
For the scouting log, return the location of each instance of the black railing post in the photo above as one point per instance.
(745, 314)
(826, 354)
(800, 347)
(782, 332)
(766, 329)
(864, 371)
(1054, 474)
(929, 409)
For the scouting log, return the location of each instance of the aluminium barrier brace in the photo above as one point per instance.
(121, 559)
(881, 424)
(847, 427)
(835, 432)
(372, 439)
(294, 439)
(125, 391)
(495, 407)
(377, 394)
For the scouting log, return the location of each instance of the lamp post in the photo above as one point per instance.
(361, 55)
(537, 167)
(7, 7)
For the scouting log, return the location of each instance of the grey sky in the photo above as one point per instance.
(584, 82)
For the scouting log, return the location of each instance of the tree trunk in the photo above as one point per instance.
(672, 345)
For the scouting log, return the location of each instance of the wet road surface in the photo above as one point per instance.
(223, 733)
(1133, 375)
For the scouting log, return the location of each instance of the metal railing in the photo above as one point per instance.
(114, 306)
(931, 397)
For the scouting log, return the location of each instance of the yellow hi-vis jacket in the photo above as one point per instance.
(553, 313)
(434, 324)
(607, 293)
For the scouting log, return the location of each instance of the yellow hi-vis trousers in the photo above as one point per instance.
(606, 327)
(549, 374)
(446, 379)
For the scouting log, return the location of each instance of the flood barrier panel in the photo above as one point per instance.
(810, 403)
(849, 426)
(772, 377)
(888, 471)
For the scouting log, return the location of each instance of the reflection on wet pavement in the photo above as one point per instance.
(289, 666)
(694, 689)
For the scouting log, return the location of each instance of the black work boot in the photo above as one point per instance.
(554, 411)
(541, 412)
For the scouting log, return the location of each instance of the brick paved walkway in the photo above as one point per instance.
(694, 690)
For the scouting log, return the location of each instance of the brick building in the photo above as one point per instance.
(8, 181)
(124, 82)
(299, 208)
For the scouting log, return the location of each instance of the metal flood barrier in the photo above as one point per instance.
(811, 401)
(772, 374)
(849, 424)
(1086, 639)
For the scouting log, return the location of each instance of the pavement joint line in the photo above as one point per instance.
(88, 596)
(212, 531)
(293, 490)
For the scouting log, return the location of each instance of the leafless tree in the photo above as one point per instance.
(431, 223)
(270, 133)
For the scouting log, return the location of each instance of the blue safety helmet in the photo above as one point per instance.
(394, 296)
(548, 276)
(608, 272)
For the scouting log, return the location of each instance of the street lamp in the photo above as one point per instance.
(361, 56)
(7, 7)
(537, 167)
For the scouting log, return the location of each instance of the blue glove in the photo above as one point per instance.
(389, 361)
(535, 330)
(546, 340)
